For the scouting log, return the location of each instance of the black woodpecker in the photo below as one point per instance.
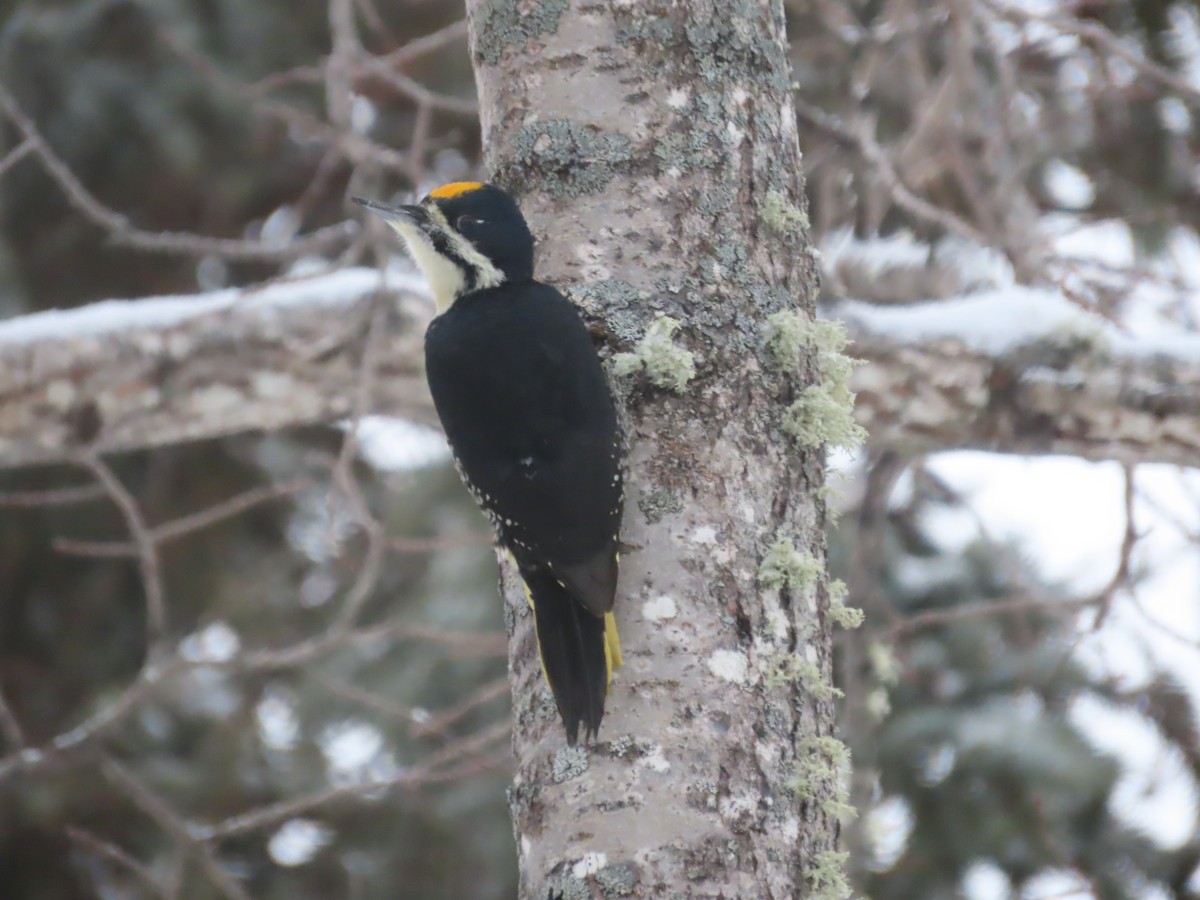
(532, 423)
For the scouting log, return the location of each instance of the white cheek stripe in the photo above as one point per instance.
(446, 278)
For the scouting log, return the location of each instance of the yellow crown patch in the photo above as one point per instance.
(455, 189)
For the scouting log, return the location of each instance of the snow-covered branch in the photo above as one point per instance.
(140, 373)
(1015, 370)
(1023, 371)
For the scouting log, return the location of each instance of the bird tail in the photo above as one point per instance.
(578, 650)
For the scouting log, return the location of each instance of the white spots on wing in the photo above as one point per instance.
(589, 865)
(705, 534)
(660, 608)
(526, 461)
(730, 665)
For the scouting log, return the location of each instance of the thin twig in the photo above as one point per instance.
(100, 847)
(122, 232)
(176, 826)
(147, 551)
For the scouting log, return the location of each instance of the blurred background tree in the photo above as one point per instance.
(959, 132)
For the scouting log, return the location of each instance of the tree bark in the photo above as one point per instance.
(644, 142)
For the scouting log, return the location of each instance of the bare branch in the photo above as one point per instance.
(172, 242)
(110, 851)
(176, 827)
(147, 551)
(935, 380)
(157, 371)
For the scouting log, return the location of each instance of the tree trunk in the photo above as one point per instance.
(653, 147)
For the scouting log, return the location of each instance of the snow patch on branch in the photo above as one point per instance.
(998, 322)
(111, 316)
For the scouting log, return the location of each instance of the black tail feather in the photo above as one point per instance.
(571, 643)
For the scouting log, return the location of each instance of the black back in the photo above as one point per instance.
(527, 410)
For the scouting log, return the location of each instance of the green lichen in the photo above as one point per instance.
(570, 160)
(644, 29)
(818, 776)
(666, 364)
(806, 675)
(785, 566)
(791, 336)
(567, 887)
(843, 616)
(883, 663)
(823, 415)
(879, 703)
(569, 762)
(782, 216)
(828, 876)
(621, 746)
(617, 880)
(501, 23)
(618, 301)
(658, 503)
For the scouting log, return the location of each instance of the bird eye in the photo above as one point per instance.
(465, 222)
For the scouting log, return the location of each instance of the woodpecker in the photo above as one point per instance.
(532, 424)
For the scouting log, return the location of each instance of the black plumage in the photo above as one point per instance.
(529, 415)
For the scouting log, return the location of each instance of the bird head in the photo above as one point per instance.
(465, 236)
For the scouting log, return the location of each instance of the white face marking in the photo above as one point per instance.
(446, 278)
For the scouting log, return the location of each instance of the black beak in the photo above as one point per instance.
(414, 214)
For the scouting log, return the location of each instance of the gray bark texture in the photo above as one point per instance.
(644, 141)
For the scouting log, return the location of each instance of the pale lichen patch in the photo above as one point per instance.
(569, 762)
(704, 534)
(590, 864)
(730, 665)
(660, 608)
(654, 759)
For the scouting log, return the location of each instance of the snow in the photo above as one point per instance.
(336, 288)
(278, 723)
(216, 643)
(1068, 185)
(1068, 516)
(297, 841)
(356, 753)
(395, 445)
(998, 322)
